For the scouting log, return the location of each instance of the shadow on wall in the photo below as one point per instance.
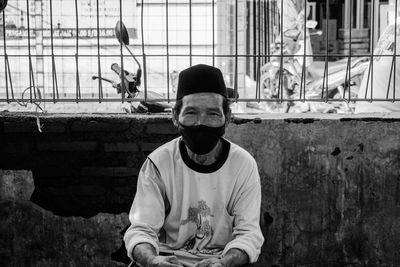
(82, 165)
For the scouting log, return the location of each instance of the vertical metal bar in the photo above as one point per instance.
(9, 72)
(236, 48)
(303, 68)
(213, 32)
(254, 38)
(280, 80)
(348, 66)
(372, 48)
(98, 51)
(145, 76)
(394, 56)
(350, 48)
(303, 82)
(122, 74)
(38, 29)
(190, 32)
(53, 66)
(325, 78)
(267, 21)
(276, 13)
(327, 52)
(256, 43)
(371, 54)
(390, 79)
(265, 30)
(393, 67)
(78, 85)
(258, 87)
(369, 76)
(262, 32)
(167, 41)
(248, 38)
(347, 85)
(31, 75)
(143, 54)
(5, 55)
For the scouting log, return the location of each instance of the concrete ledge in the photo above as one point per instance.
(122, 119)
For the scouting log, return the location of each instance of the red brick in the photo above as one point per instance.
(121, 147)
(161, 128)
(67, 146)
(96, 126)
(110, 171)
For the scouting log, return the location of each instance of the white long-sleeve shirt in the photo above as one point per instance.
(196, 211)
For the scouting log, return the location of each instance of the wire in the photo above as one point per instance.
(36, 101)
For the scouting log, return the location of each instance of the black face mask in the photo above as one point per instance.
(201, 139)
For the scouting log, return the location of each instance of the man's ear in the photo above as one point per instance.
(175, 117)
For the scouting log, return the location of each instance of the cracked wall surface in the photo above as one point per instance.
(330, 185)
(331, 189)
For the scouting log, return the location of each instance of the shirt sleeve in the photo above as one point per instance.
(247, 235)
(148, 209)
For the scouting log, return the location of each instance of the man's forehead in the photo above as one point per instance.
(203, 99)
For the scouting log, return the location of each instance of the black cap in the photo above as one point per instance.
(200, 79)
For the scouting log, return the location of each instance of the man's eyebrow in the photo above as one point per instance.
(189, 107)
(208, 109)
(214, 109)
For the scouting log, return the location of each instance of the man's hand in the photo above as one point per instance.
(164, 261)
(145, 256)
(212, 262)
(234, 257)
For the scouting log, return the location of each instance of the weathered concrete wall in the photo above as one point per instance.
(331, 185)
(331, 189)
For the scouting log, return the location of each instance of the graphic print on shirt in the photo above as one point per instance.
(200, 216)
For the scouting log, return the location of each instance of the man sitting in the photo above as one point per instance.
(198, 196)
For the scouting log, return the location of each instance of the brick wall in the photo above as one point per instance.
(81, 165)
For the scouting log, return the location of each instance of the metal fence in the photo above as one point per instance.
(278, 55)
